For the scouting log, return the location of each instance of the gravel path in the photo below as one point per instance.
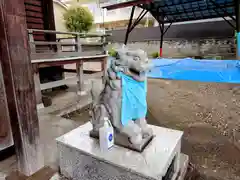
(209, 115)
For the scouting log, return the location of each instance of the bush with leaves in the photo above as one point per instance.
(112, 52)
(155, 55)
(78, 19)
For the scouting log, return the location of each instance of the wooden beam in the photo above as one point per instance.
(73, 80)
(48, 17)
(82, 35)
(18, 80)
(79, 68)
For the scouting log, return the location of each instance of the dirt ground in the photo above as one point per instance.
(209, 115)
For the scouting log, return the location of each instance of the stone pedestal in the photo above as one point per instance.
(81, 158)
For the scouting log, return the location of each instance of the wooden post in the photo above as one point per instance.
(19, 84)
(31, 41)
(78, 46)
(49, 21)
(37, 85)
(59, 46)
(103, 41)
(79, 68)
(104, 68)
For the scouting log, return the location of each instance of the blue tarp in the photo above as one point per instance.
(221, 71)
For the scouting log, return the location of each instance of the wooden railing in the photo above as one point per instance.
(74, 49)
(75, 44)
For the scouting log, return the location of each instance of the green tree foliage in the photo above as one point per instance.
(78, 19)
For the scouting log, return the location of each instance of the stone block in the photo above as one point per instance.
(80, 157)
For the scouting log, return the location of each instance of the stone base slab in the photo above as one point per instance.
(80, 157)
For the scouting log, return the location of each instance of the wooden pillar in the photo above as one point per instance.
(48, 17)
(31, 41)
(104, 68)
(19, 84)
(79, 68)
(78, 46)
(37, 85)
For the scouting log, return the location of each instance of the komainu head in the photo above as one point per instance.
(134, 63)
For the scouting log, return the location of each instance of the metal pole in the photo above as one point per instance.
(225, 19)
(137, 21)
(237, 12)
(129, 25)
(167, 28)
(161, 40)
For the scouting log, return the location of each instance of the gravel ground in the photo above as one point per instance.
(209, 115)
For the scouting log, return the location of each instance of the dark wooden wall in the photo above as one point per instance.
(35, 17)
(40, 15)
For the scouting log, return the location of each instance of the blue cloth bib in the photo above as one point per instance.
(134, 103)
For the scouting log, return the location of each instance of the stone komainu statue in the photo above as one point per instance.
(123, 99)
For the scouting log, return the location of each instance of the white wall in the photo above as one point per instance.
(58, 16)
(101, 15)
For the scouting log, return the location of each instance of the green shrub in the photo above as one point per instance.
(218, 57)
(213, 57)
(155, 55)
(112, 53)
(78, 19)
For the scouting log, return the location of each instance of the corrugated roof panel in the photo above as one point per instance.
(183, 10)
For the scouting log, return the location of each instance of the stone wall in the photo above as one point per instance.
(209, 38)
(187, 48)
